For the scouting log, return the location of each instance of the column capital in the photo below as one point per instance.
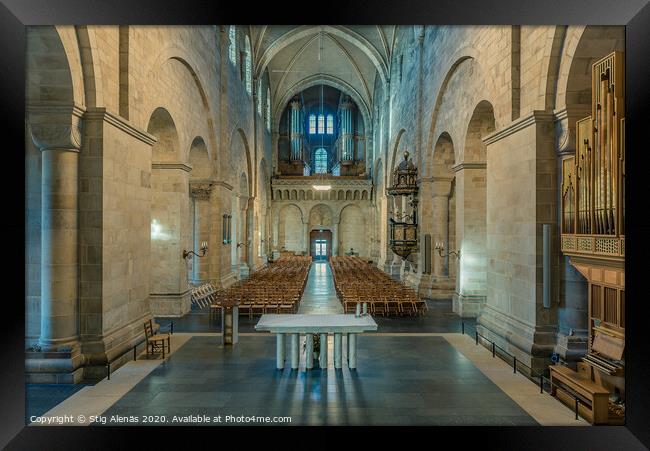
(200, 190)
(56, 127)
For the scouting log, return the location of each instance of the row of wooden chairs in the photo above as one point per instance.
(276, 288)
(358, 282)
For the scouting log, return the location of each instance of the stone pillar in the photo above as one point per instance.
(56, 132)
(59, 256)
(305, 237)
(522, 196)
(441, 191)
(170, 235)
(471, 238)
(243, 237)
(276, 232)
(200, 193)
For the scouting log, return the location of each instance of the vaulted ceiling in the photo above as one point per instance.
(346, 57)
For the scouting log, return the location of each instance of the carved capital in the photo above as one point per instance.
(55, 127)
(200, 191)
(565, 129)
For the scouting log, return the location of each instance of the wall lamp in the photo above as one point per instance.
(440, 247)
(204, 250)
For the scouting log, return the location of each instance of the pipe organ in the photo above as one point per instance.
(593, 236)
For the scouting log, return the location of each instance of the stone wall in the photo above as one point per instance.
(118, 79)
(503, 97)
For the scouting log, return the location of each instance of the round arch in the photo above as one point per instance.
(327, 80)
(174, 52)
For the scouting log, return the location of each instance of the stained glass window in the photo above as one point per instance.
(268, 109)
(249, 68)
(330, 124)
(232, 47)
(320, 163)
(321, 124)
(312, 124)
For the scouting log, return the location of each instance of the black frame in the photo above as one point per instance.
(635, 14)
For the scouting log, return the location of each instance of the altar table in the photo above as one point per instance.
(323, 324)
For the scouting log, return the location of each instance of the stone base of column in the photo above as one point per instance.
(170, 305)
(87, 361)
(244, 271)
(466, 306)
(436, 288)
(58, 367)
(531, 345)
(227, 280)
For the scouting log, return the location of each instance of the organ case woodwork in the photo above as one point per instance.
(593, 231)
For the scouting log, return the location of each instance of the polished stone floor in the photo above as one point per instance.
(320, 295)
(400, 380)
(39, 398)
(394, 380)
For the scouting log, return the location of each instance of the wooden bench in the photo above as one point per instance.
(596, 396)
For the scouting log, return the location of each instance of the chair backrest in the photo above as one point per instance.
(148, 329)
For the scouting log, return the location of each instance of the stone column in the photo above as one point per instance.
(276, 231)
(471, 238)
(56, 132)
(200, 193)
(335, 235)
(170, 234)
(441, 191)
(243, 237)
(305, 237)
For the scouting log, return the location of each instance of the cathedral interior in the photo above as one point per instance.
(462, 186)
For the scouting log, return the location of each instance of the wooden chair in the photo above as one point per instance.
(408, 307)
(156, 342)
(378, 307)
(392, 307)
(421, 306)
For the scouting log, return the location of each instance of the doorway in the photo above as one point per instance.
(320, 245)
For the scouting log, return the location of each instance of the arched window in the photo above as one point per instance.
(249, 66)
(259, 98)
(232, 46)
(320, 163)
(330, 124)
(268, 109)
(321, 124)
(312, 124)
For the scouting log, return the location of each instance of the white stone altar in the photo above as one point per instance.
(294, 325)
